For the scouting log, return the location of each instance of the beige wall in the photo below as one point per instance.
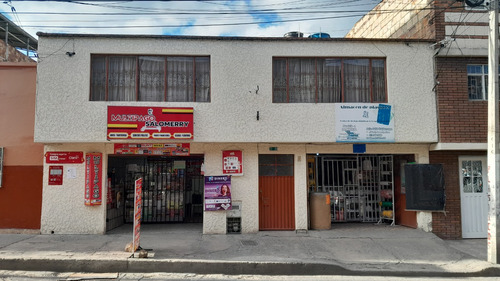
(17, 111)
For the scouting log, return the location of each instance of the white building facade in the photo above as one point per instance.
(272, 101)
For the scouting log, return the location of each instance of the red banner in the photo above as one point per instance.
(137, 214)
(232, 162)
(93, 179)
(136, 122)
(64, 157)
(164, 149)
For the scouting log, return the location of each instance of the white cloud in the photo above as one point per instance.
(283, 16)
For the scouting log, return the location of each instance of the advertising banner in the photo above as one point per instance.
(232, 162)
(93, 179)
(137, 214)
(64, 157)
(137, 122)
(218, 193)
(364, 122)
(164, 149)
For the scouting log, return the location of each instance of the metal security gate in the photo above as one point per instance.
(172, 188)
(354, 183)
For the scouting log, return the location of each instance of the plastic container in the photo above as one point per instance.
(320, 210)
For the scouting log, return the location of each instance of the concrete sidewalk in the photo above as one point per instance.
(347, 249)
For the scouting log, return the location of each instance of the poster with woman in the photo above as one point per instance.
(218, 193)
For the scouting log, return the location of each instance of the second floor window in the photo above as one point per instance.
(150, 78)
(329, 80)
(477, 81)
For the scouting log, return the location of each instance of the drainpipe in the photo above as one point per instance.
(6, 41)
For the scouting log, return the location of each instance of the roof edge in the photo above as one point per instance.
(229, 38)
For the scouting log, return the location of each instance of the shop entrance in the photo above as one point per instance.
(361, 186)
(172, 189)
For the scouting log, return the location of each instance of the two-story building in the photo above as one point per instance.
(460, 35)
(282, 117)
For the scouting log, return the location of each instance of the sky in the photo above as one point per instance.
(254, 18)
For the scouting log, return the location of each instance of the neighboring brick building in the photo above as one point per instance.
(460, 35)
(21, 168)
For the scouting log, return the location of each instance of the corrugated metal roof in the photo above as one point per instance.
(17, 37)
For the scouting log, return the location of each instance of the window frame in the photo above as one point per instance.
(138, 74)
(484, 79)
(318, 61)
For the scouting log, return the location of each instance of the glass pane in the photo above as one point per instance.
(279, 81)
(121, 78)
(356, 80)
(284, 159)
(267, 159)
(478, 185)
(466, 174)
(467, 185)
(477, 168)
(475, 87)
(475, 69)
(98, 79)
(329, 80)
(302, 80)
(267, 170)
(284, 170)
(378, 81)
(180, 79)
(202, 79)
(151, 78)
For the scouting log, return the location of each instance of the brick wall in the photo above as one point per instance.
(460, 120)
(448, 224)
(14, 55)
(407, 19)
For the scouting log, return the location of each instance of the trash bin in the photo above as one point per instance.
(320, 210)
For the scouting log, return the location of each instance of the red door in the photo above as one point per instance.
(403, 217)
(276, 192)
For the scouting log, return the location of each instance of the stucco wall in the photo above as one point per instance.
(238, 67)
(63, 209)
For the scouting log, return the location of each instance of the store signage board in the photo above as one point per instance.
(137, 214)
(137, 122)
(164, 149)
(93, 179)
(364, 122)
(218, 193)
(64, 157)
(232, 162)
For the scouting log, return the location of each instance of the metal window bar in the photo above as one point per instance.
(354, 184)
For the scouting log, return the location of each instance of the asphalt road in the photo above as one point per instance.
(67, 276)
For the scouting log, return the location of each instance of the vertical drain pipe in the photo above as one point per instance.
(6, 41)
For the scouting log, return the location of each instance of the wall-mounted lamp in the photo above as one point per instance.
(70, 54)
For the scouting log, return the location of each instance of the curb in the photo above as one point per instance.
(217, 267)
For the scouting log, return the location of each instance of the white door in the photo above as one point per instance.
(474, 196)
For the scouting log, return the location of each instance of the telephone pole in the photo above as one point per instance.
(493, 138)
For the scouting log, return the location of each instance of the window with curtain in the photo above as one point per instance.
(150, 78)
(329, 80)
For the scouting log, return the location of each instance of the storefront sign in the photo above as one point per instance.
(232, 162)
(218, 193)
(64, 157)
(364, 122)
(164, 149)
(93, 179)
(136, 122)
(137, 214)
(55, 175)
